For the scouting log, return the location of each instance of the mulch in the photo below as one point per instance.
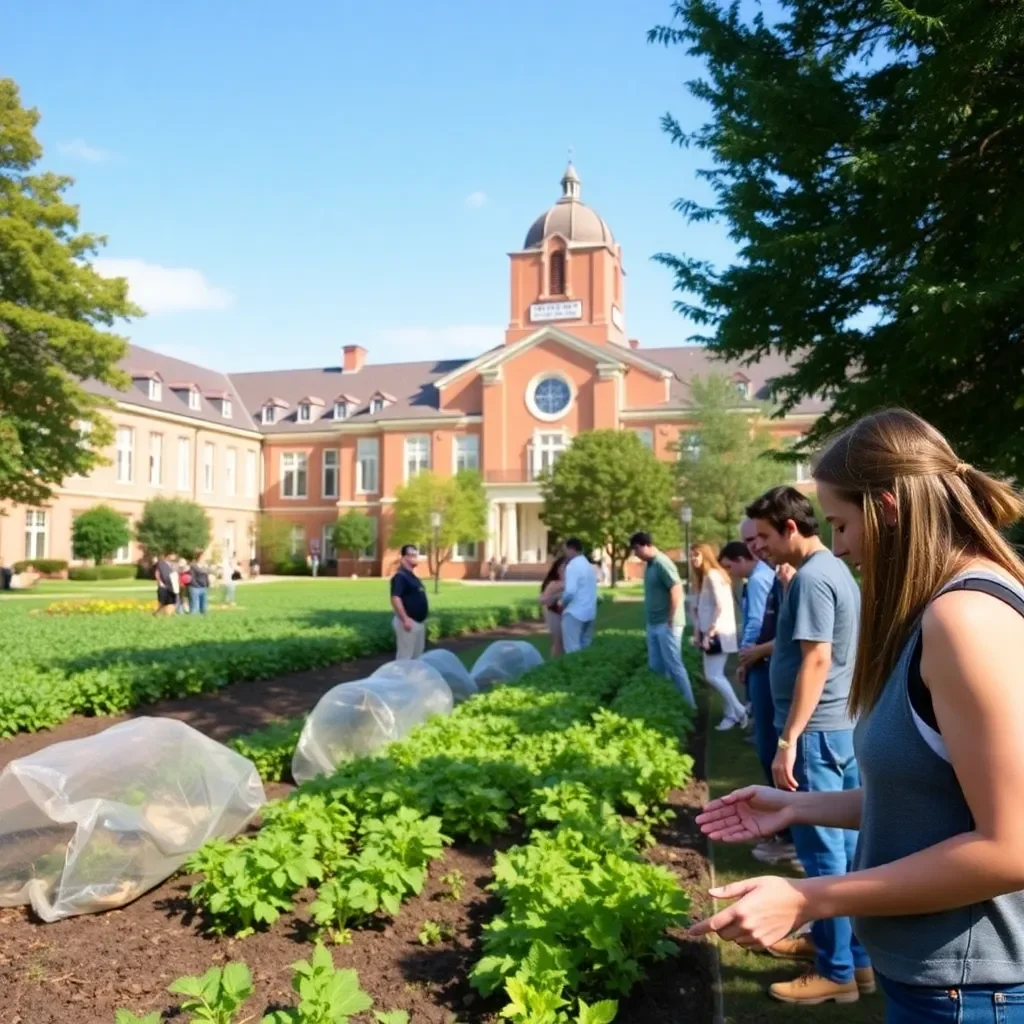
(79, 970)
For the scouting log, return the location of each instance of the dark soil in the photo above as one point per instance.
(242, 707)
(78, 971)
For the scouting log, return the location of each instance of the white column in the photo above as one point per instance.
(510, 545)
(493, 543)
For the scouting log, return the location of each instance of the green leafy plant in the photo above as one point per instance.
(127, 1017)
(214, 997)
(432, 933)
(391, 1017)
(456, 882)
(327, 995)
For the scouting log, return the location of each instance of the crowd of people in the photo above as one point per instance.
(183, 586)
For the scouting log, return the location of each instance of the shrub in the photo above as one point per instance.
(173, 524)
(98, 533)
(102, 572)
(44, 566)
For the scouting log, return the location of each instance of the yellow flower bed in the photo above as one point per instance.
(99, 607)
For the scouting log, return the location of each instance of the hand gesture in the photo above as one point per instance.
(747, 815)
(766, 910)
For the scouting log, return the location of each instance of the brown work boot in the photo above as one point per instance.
(799, 947)
(865, 978)
(812, 989)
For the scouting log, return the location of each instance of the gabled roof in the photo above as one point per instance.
(351, 399)
(384, 395)
(311, 400)
(604, 355)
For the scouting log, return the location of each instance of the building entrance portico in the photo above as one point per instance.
(516, 532)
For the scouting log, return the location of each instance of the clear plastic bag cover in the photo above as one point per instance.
(360, 717)
(504, 662)
(456, 675)
(91, 824)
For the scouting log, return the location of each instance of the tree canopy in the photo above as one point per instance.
(353, 533)
(98, 533)
(460, 500)
(725, 460)
(273, 538)
(53, 311)
(173, 525)
(603, 488)
(866, 159)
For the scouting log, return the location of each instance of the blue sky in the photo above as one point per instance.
(280, 181)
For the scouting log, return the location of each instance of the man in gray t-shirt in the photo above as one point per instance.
(811, 671)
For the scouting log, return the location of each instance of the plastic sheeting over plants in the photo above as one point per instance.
(360, 717)
(504, 662)
(456, 675)
(91, 824)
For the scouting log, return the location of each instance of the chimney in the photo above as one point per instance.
(634, 344)
(354, 358)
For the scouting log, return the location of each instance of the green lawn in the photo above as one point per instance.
(746, 976)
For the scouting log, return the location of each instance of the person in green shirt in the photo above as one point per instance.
(665, 613)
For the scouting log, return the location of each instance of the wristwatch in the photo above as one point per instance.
(784, 744)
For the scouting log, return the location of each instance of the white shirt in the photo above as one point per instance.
(580, 595)
(716, 609)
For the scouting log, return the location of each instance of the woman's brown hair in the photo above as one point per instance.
(708, 561)
(947, 512)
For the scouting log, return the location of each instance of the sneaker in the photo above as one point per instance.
(726, 724)
(774, 851)
(865, 978)
(797, 947)
(812, 989)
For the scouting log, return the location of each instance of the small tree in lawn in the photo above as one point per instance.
(353, 532)
(173, 524)
(726, 459)
(98, 533)
(462, 505)
(274, 540)
(604, 487)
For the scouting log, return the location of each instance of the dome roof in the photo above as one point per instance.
(574, 220)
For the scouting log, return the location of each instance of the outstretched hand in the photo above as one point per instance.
(747, 815)
(766, 910)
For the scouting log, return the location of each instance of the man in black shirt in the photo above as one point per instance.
(409, 600)
(166, 586)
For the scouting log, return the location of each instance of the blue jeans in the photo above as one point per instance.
(197, 600)
(825, 764)
(969, 1004)
(766, 736)
(665, 656)
(576, 634)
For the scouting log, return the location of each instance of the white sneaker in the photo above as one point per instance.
(726, 724)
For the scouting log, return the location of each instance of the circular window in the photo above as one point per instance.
(552, 396)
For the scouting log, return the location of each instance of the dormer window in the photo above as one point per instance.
(340, 410)
(225, 408)
(305, 412)
(269, 415)
(195, 401)
(156, 390)
(376, 405)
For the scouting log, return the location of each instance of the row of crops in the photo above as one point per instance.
(574, 760)
(56, 667)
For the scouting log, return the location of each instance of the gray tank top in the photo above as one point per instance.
(913, 800)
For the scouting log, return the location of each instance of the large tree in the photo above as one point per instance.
(604, 487)
(173, 525)
(461, 503)
(353, 533)
(53, 311)
(865, 156)
(274, 540)
(726, 459)
(98, 533)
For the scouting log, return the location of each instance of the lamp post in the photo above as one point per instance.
(686, 515)
(435, 525)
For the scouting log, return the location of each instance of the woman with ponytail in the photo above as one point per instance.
(936, 896)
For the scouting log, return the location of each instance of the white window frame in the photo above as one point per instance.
(802, 470)
(268, 415)
(37, 539)
(690, 446)
(225, 408)
(364, 455)
(184, 467)
(531, 396)
(327, 551)
(376, 405)
(125, 454)
(335, 492)
(230, 471)
(251, 470)
(541, 446)
(341, 410)
(123, 555)
(369, 554)
(292, 464)
(646, 436)
(305, 412)
(195, 400)
(460, 449)
(466, 551)
(297, 540)
(209, 462)
(156, 390)
(419, 440)
(156, 460)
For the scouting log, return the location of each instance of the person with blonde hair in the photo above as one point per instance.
(715, 629)
(936, 891)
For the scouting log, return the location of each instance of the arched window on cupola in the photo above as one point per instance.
(556, 274)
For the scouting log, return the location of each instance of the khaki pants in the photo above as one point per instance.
(409, 643)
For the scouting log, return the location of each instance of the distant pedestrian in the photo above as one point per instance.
(184, 582)
(199, 588)
(314, 564)
(504, 567)
(229, 577)
(410, 604)
(579, 599)
(166, 585)
(716, 630)
(665, 613)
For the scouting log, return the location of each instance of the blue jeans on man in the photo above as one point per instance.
(197, 600)
(665, 657)
(825, 763)
(576, 634)
(766, 736)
